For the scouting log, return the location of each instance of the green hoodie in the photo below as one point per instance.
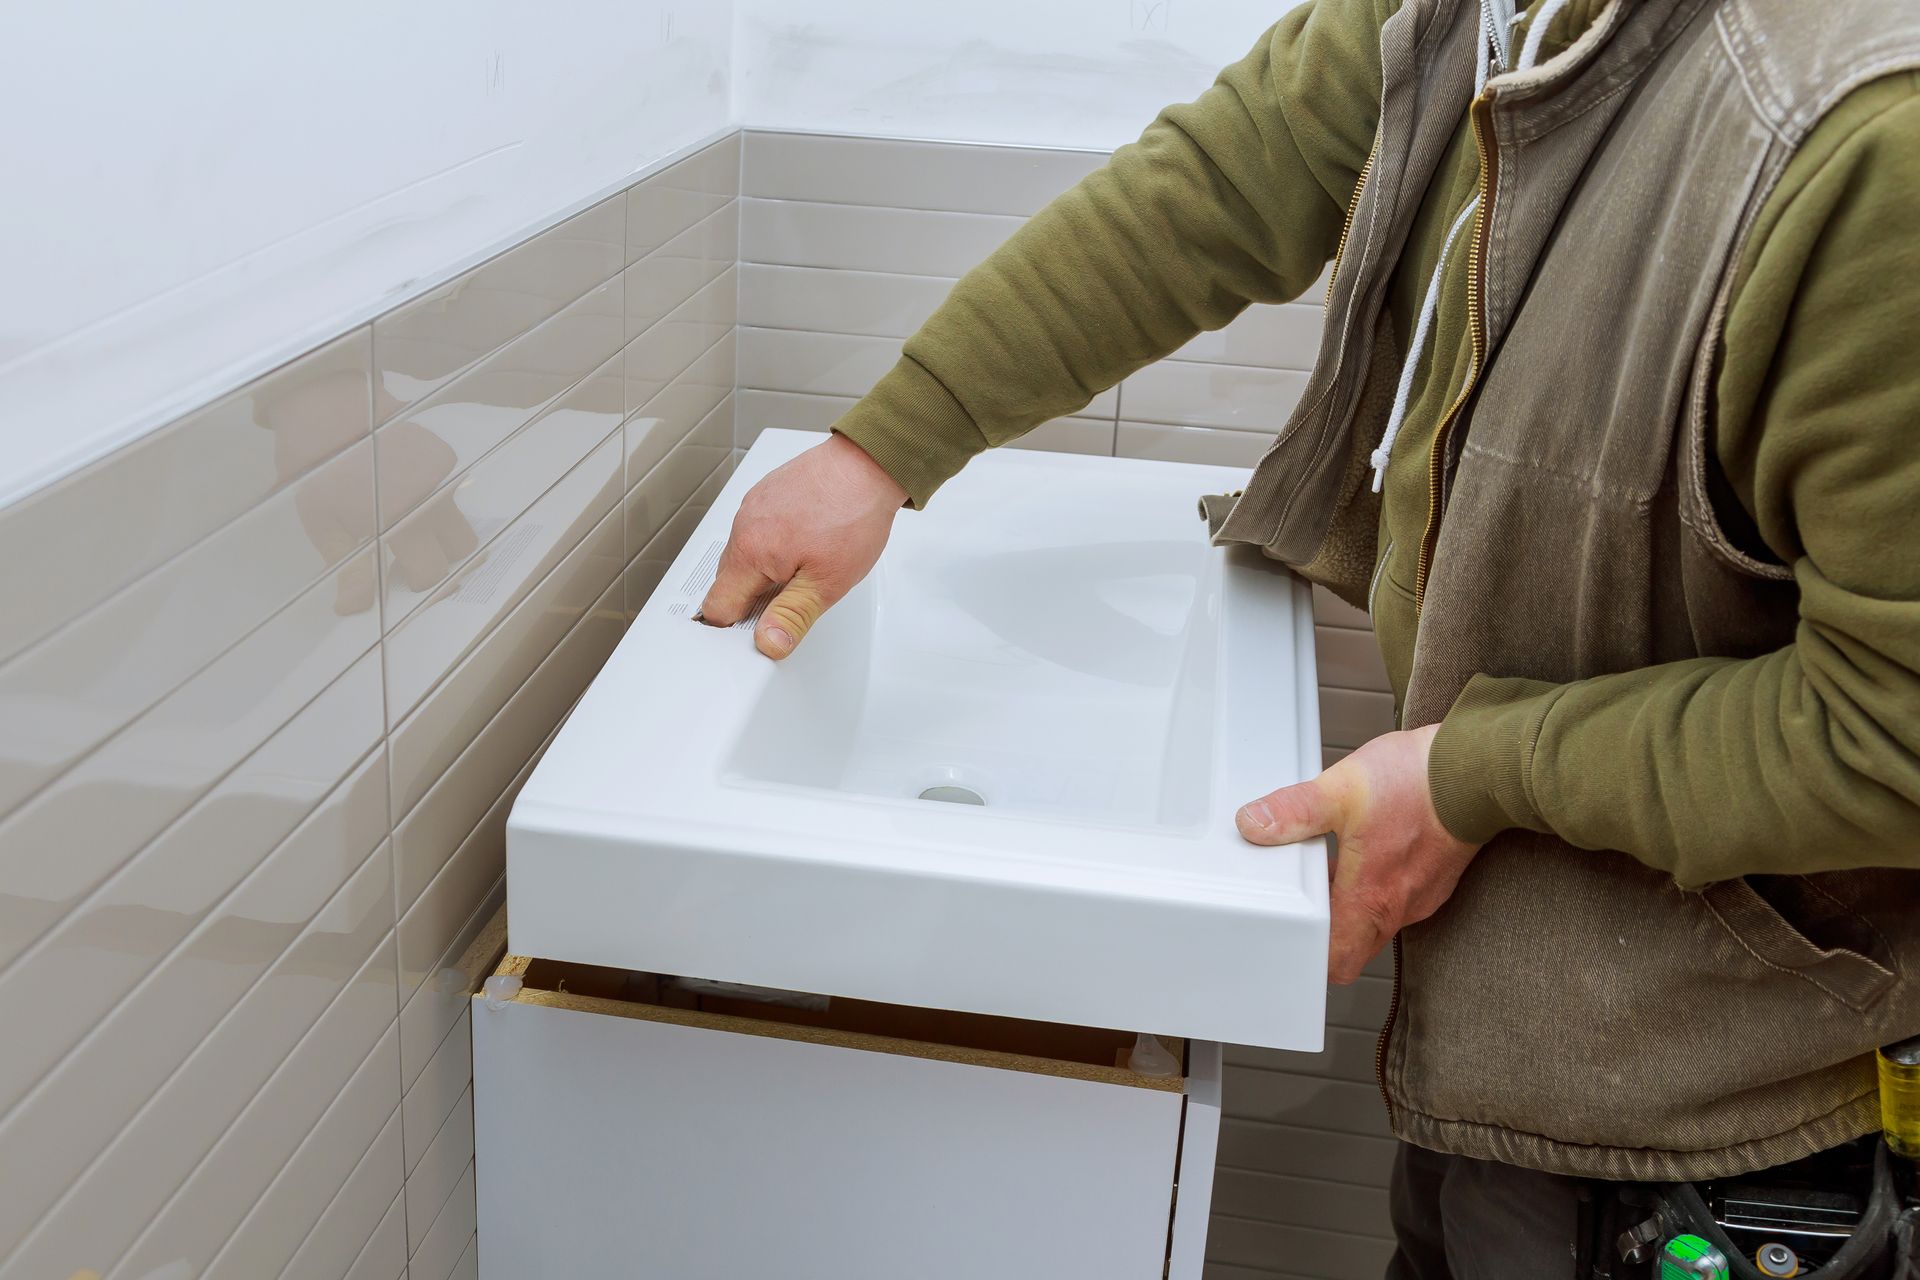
(1241, 196)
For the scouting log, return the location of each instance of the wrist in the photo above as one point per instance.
(872, 478)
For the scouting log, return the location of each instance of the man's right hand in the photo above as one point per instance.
(813, 528)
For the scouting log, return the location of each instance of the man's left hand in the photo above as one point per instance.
(1396, 865)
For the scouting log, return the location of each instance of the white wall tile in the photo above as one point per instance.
(878, 304)
(910, 175)
(1212, 446)
(1195, 394)
(1274, 337)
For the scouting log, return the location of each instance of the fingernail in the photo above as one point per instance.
(779, 639)
(1258, 814)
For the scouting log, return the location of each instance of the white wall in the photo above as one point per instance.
(199, 190)
(1070, 73)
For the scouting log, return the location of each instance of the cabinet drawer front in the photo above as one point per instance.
(630, 1146)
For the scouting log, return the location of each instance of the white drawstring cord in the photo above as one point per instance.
(1494, 32)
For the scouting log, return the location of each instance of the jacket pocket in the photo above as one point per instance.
(1790, 924)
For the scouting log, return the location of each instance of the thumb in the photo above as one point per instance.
(1299, 812)
(791, 615)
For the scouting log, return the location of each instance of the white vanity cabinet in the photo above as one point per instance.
(1054, 645)
(620, 1137)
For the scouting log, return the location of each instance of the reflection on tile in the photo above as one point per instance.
(667, 487)
(664, 351)
(349, 1222)
(442, 533)
(1212, 446)
(198, 915)
(83, 826)
(911, 242)
(435, 1094)
(911, 175)
(423, 344)
(1272, 337)
(837, 364)
(677, 270)
(445, 628)
(671, 416)
(865, 302)
(331, 994)
(104, 527)
(427, 837)
(1195, 394)
(661, 206)
(430, 1182)
(86, 681)
(197, 1225)
(430, 739)
(441, 437)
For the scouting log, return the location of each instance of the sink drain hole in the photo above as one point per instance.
(950, 794)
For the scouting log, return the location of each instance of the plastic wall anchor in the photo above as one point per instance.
(500, 989)
(1150, 1058)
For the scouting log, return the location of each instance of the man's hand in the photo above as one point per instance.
(1397, 864)
(813, 528)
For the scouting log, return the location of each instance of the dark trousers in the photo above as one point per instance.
(1461, 1219)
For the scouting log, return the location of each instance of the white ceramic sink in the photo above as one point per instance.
(1053, 638)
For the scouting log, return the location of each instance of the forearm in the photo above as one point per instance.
(1235, 198)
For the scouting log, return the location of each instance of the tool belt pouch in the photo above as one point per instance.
(1882, 1247)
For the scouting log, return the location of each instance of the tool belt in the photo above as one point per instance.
(1625, 1225)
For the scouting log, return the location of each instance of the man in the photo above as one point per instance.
(1615, 432)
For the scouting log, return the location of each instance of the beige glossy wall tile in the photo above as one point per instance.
(1301, 1202)
(348, 1224)
(194, 920)
(264, 1241)
(385, 1255)
(306, 1014)
(447, 1239)
(666, 488)
(76, 688)
(1196, 394)
(1364, 1159)
(1213, 446)
(1286, 336)
(431, 1011)
(1325, 1255)
(445, 628)
(757, 410)
(878, 304)
(1360, 1005)
(836, 364)
(81, 828)
(864, 238)
(434, 442)
(1350, 659)
(433, 1097)
(1278, 1098)
(661, 354)
(660, 207)
(420, 347)
(468, 1268)
(105, 527)
(904, 174)
(1335, 612)
(449, 717)
(1347, 1055)
(684, 404)
(427, 837)
(650, 566)
(1354, 717)
(462, 520)
(680, 268)
(447, 1156)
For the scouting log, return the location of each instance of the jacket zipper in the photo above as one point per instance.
(1386, 1031)
(1353, 205)
(1482, 116)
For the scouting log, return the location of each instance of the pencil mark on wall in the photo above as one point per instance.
(1151, 15)
(496, 73)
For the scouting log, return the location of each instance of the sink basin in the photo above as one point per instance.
(999, 777)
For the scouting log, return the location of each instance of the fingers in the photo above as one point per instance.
(791, 615)
(735, 588)
(1299, 812)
